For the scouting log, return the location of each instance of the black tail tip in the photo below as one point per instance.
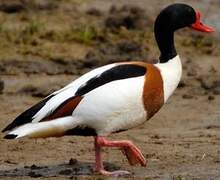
(10, 136)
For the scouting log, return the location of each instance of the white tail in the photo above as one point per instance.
(52, 128)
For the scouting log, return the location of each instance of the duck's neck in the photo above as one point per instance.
(165, 41)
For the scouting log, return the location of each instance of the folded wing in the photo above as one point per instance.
(63, 102)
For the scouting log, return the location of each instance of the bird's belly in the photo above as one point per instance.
(113, 107)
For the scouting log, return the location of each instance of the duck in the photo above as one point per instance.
(115, 97)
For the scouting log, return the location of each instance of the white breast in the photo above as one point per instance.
(171, 73)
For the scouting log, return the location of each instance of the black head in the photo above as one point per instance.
(176, 16)
(170, 19)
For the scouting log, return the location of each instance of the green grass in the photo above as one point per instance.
(22, 34)
(179, 177)
(82, 34)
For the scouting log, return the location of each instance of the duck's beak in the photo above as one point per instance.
(199, 26)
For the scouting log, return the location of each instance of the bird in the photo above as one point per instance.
(114, 97)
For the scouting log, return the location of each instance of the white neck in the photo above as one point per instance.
(171, 73)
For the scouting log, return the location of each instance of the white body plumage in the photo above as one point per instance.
(114, 106)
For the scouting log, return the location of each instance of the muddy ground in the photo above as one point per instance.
(47, 44)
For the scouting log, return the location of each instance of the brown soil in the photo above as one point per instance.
(182, 141)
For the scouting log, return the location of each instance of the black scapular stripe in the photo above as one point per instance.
(123, 71)
(26, 116)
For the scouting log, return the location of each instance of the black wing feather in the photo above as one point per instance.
(26, 116)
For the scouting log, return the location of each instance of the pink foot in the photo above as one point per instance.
(132, 153)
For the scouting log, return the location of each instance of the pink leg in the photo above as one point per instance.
(132, 153)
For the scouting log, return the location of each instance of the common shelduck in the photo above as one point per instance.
(114, 97)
